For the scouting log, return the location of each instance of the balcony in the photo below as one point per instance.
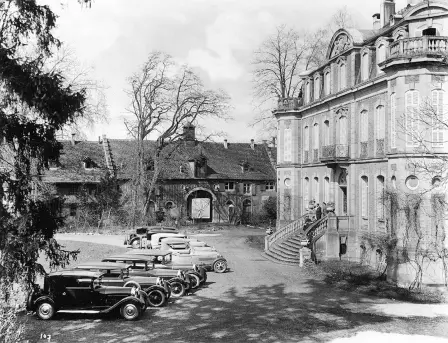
(426, 46)
(335, 153)
(289, 104)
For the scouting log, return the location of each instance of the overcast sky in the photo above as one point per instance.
(216, 37)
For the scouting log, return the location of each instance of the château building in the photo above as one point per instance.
(354, 136)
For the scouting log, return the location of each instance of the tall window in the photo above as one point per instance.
(326, 189)
(380, 197)
(364, 196)
(342, 76)
(316, 190)
(380, 55)
(393, 121)
(364, 126)
(365, 66)
(317, 88)
(412, 101)
(316, 136)
(343, 130)
(380, 122)
(438, 116)
(327, 83)
(308, 92)
(287, 145)
(326, 133)
(246, 188)
(306, 139)
(306, 188)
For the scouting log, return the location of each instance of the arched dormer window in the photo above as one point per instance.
(317, 83)
(400, 33)
(381, 45)
(308, 92)
(327, 81)
(342, 74)
(365, 65)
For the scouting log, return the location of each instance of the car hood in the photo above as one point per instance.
(109, 290)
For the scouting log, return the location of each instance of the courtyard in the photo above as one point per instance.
(255, 301)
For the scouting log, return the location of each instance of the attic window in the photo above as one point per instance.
(431, 31)
(181, 169)
(149, 164)
(53, 164)
(88, 164)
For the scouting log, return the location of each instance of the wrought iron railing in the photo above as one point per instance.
(364, 150)
(418, 45)
(380, 147)
(285, 232)
(335, 152)
(316, 230)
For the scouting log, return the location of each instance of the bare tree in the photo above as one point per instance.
(280, 59)
(164, 97)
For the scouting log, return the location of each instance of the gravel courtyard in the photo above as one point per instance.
(256, 301)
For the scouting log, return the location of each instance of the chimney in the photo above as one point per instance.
(189, 132)
(73, 139)
(225, 144)
(387, 10)
(252, 144)
(376, 21)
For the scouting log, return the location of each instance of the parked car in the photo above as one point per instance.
(142, 235)
(157, 238)
(183, 245)
(162, 259)
(117, 274)
(141, 266)
(80, 291)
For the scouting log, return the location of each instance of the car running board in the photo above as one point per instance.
(80, 311)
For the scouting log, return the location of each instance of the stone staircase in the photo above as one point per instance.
(286, 251)
(285, 244)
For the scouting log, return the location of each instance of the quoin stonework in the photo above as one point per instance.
(355, 137)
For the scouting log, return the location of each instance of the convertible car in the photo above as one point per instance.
(184, 245)
(117, 274)
(142, 235)
(80, 291)
(141, 266)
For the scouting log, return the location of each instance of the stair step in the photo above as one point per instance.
(286, 247)
(275, 260)
(283, 257)
(284, 253)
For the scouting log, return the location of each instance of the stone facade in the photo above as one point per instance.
(348, 141)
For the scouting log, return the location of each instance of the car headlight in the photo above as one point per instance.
(158, 281)
(195, 268)
(179, 274)
(134, 291)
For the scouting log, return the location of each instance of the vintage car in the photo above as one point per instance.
(157, 238)
(80, 291)
(142, 235)
(208, 259)
(141, 266)
(184, 245)
(117, 274)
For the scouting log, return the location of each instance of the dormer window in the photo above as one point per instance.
(88, 163)
(430, 31)
(53, 164)
(149, 164)
(245, 167)
(201, 167)
(317, 87)
(342, 74)
(308, 89)
(327, 82)
(182, 169)
(365, 65)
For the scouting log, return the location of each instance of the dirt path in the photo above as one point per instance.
(256, 301)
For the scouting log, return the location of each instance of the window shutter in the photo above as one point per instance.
(263, 187)
(253, 188)
(221, 187)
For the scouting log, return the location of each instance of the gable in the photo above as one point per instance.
(340, 44)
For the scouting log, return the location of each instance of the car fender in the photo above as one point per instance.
(136, 301)
(178, 280)
(132, 240)
(150, 288)
(40, 299)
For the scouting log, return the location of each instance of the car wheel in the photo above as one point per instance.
(177, 289)
(195, 281)
(220, 266)
(135, 244)
(45, 310)
(156, 298)
(130, 311)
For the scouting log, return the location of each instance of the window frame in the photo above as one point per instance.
(247, 188)
(227, 186)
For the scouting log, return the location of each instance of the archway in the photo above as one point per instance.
(247, 211)
(200, 205)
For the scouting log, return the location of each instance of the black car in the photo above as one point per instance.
(142, 235)
(80, 291)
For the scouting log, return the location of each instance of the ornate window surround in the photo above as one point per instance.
(400, 31)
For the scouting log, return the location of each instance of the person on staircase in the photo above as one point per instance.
(318, 212)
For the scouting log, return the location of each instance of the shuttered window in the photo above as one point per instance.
(412, 99)
(306, 188)
(393, 121)
(380, 122)
(364, 196)
(438, 116)
(364, 126)
(316, 136)
(343, 130)
(365, 67)
(327, 83)
(316, 88)
(306, 139)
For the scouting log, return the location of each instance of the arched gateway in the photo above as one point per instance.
(200, 205)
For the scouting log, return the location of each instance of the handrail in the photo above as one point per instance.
(316, 230)
(286, 231)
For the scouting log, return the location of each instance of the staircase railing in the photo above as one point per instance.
(285, 232)
(317, 229)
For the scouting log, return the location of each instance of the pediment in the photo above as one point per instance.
(340, 44)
